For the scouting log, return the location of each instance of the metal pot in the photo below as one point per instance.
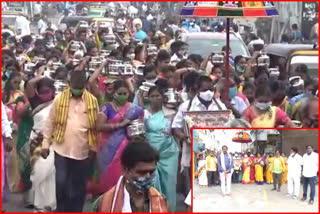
(120, 69)
(84, 25)
(139, 70)
(110, 39)
(104, 54)
(217, 58)
(274, 72)
(173, 99)
(59, 86)
(135, 128)
(75, 46)
(264, 60)
(152, 50)
(28, 67)
(75, 62)
(41, 60)
(145, 87)
(120, 29)
(94, 63)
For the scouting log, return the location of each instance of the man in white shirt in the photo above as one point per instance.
(225, 168)
(37, 9)
(22, 27)
(310, 164)
(294, 173)
(193, 27)
(42, 26)
(203, 101)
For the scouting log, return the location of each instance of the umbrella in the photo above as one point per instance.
(243, 138)
(228, 9)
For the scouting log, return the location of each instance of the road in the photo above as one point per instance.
(15, 205)
(249, 198)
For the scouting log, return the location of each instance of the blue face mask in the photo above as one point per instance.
(240, 69)
(233, 92)
(7, 74)
(142, 184)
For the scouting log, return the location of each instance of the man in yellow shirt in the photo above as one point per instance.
(211, 166)
(277, 169)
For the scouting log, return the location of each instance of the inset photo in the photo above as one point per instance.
(255, 170)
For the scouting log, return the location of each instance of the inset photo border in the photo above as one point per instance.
(243, 181)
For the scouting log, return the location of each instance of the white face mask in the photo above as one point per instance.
(245, 156)
(263, 106)
(207, 95)
(131, 56)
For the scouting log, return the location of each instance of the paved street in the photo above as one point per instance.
(249, 198)
(15, 204)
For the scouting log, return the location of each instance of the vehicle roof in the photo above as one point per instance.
(11, 13)
(285, 50)
(208, 35)
(75, 19)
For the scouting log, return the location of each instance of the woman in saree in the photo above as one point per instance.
(285, 173)
(158, 132)
(202, 173)
(269, 178)
(112, 122)
(252, 161)
(241, 169)
(261, 114)
(259, 162)
(17, 105)
(246, 170)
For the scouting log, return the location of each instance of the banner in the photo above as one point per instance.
(229, 9)
(206, 119)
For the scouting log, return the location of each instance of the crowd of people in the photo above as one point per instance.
(225, 168)
(74, 100)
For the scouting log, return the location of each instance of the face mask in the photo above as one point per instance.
(233, 92)
(131, 56)
(207, 95)
(263, 106)
(7, 74)
(121, 99)
(240, 69)
(245, 156)
(192, 23)
(142, 184)
(211, 154)
(46, 97)
(76, 92)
